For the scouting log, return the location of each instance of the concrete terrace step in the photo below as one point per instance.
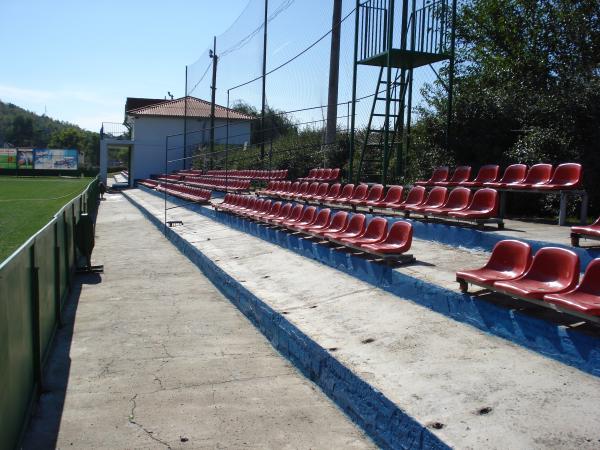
(153, 356)
(467, 388)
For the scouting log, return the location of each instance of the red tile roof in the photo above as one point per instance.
(195, 108)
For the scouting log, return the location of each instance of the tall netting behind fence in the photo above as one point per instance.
(291, 134)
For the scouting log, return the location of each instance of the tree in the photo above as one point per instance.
(527, 86)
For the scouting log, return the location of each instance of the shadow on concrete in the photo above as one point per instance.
(42, 432)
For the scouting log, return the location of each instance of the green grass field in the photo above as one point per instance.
(27, 204)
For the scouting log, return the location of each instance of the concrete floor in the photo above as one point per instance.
(472, 389)
(153, 356)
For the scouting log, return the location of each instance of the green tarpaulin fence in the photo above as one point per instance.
(34, 283)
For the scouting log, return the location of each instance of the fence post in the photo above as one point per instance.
(35, 326)
(57, 296)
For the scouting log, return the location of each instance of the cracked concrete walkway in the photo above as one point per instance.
(153, 356)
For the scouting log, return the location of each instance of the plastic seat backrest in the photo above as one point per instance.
(361, 192)
(510, 256)
(484, 200)
(514, 173)
(394, 194)
(347, 191)
(440, 174)
(339, 221)
(312, 173)
(322, 190)
(376, 228)
(356, 224)
(375, 193)
(293, 188)
(538, 173)
(334, 190)
(415, 196)
(319, 174)
(296, 212)
(567, 174)
(461, 173)
(488, 173)
(335, 174)
(400, 233)
(285, 211)
(458, 198)
(437, 196)
(323, 217)
(266, 207)
(326, 174)
(590, 283)
(555, 264)
(308, 214)
(303, 188)
(258, 204)
(312, 189)
(275, 208)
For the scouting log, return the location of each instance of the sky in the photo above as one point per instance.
(78, 60)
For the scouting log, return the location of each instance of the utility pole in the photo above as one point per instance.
(185, 120)
(264, 84)
(213, 87)
(334, 72)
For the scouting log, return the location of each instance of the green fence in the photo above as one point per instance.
(34, 283)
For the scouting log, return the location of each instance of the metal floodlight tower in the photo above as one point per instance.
(426, 36)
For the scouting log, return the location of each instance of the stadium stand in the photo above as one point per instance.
(189, 193)
(587, 232)
(548, 279)
(327, 175)
(375, 237)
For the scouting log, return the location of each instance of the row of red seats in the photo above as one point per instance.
(549, 278)
(321, 175)
(459, 203)
(541, 177)
(279, 174)
(586, 231)
(192, 194)
(218, 184)
(342, 228)
(148, 183)
(169, 178)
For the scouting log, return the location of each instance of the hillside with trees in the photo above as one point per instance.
(22, 128)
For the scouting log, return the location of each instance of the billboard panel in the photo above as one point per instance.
(55, 159)
(25, 158)
(8, 158)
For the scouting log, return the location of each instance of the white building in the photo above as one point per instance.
(156, 138)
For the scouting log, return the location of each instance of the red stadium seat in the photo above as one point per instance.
(337, 224)
(509, 260)
(359, 195)
(326, 175)
(281, 214)
(397, 241)
(587, 231)
(256, 207)
(486, 174)
(393, 196)
(294, 215)
(566, 176)
(538, 174)
(439, 174)
(460, 175)
(312, 173)
(321, 192)
(553, 271)
(513, 174)
(375, 195)
(319, 174)
(334, 192)
(354, 228)
(458, 199)
(585, 298)
(345, 195)
(437, 197)
(290, 189)
(308, 217)
(415, 196)
(320, 221)
(375, 232)
(335, 174)
(301, 190)
(273, 212)
(312, 190)
(265, 208)
(484, 205)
